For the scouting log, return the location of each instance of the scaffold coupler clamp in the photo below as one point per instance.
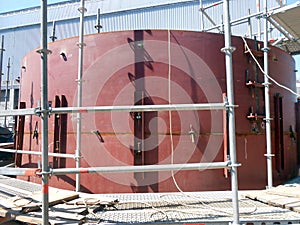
(266, 49)
(269, 156)
(230, 49)
(49, 108)
(77, 158)
(38, 172)
(231, 164)
(37, 111)
(44, 51)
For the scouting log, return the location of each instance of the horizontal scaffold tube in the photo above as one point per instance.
(115, 169)
(59, 155)
(122, 108)
(140, 108)
(18, 112)
(145, 168)
(19, 171)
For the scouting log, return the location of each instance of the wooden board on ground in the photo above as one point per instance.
(73, 209)
(284, 196)
(54, 218)
(34, 201)
(56, 196)
(27, 209)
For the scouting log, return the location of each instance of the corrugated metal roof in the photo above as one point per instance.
(69, 10)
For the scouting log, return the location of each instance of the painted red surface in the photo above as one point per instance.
(132, 67)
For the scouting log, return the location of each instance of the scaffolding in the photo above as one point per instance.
(45, 110)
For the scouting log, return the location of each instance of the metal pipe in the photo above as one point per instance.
(18, 151)
(141, 108)
(18, 112)
(18, 171)
(144, 168)
(116, 169)
(53, 37)
(211, 20)
(1, 60)
(212, 5)
(202, 15)
(284, 3)
(81, 44)
(6, 90)
(249, 24)
(98, 25)
(234, 22)
(267, 99)
(44, 114)
(284, 32)
(258, 19)
(125, 108)
(228, 49)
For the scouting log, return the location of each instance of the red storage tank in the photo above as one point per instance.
(151, 68)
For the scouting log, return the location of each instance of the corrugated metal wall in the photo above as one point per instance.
(21, 28)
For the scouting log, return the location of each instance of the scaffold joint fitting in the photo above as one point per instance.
(269, 155)
(267, 119)
(266, 49)
(80, 45)
(228, 106)
(234, 164)
(44, 51)
(230, 49)
(81, 9)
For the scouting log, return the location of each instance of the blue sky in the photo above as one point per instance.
(12, 5)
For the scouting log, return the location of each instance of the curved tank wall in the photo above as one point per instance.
(153, 67)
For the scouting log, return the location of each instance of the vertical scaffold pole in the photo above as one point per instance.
(267, 99)
(228, 49)
(44, 113)
(6, 90)
(81, 45)
(202, 16)
(258, 20)
(1, 60)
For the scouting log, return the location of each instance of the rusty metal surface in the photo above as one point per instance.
(118, 65)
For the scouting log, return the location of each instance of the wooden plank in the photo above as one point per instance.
(286, 190)
(284, 196)
(56, 196)
(55, 217)
(94, 201)
(295, 206)
(36, 218)
(81, 210)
